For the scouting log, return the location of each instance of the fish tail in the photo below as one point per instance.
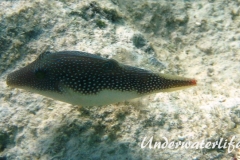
(177, 82)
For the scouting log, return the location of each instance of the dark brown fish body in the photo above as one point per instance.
(86, 79)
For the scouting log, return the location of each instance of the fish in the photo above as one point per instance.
(86, 79)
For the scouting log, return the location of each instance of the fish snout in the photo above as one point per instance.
(19, 78)
(14, 79)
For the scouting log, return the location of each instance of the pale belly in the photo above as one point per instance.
(104, 97)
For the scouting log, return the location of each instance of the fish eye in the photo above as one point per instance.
(40, 74)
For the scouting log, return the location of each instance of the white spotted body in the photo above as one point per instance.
(84, 79)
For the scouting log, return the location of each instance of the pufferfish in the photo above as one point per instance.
(86, 79)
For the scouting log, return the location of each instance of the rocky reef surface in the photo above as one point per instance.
(198, 39)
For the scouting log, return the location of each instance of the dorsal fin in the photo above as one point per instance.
(110, 64)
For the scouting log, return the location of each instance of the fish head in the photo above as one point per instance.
(38, 75)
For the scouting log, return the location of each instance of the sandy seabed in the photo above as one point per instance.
(198, 39)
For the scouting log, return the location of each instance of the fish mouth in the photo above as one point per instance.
(17, 78)
(10, 80)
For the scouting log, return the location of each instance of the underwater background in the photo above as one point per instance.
(197, 39)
